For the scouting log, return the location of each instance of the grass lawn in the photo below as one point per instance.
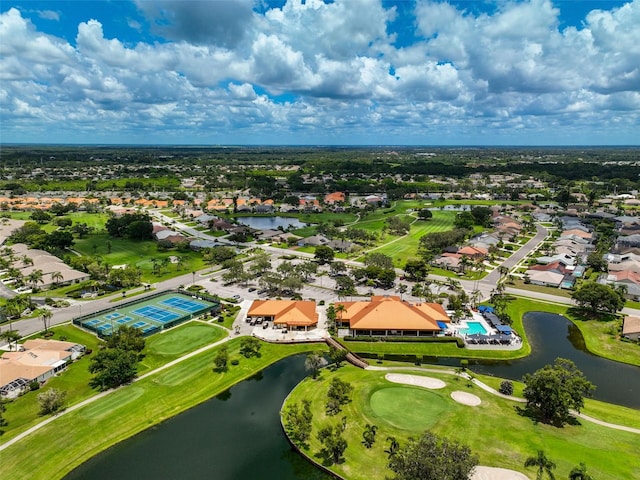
(62, 445)
(494, 430)
(140, 253)
(175, 342)
(516, 308)
(229, 315)
(559, 292)
(160, 349)
(596, 332)
(407, 247)
(632, 304)
(594, 408)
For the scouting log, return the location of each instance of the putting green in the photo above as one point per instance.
(184, 339)
(408, 408)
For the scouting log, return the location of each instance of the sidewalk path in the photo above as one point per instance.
(493, 391)
(100, 395)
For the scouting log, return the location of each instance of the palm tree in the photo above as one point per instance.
(464, 263)
(45, 315)
(56, 277)
(369, 435)
(156, 265)
(35, 277)
(402, 289)
(164, 263)
(10, 336)
(15, 274)
(27, 260)
(340, 309)
(179, 262)
(580, 473)
(543, 463)
(394, 447)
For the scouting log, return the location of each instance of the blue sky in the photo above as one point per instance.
(345, 72)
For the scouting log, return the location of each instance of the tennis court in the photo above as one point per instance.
(149, 315)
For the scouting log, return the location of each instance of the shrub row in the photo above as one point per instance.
(457, 340)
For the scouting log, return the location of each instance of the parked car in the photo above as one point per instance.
(252, 289)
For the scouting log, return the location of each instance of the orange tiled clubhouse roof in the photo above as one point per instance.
(390, 313)
(286, 312)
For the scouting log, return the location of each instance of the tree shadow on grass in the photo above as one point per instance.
(536, 417)
(327, 459)
(584, 314)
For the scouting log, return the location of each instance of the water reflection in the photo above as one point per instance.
(553, 336)
(234, 436)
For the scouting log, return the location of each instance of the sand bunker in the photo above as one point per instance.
(415, 380)
(466, 398)
(493, 473)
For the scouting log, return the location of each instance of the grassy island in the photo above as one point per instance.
(495, 429)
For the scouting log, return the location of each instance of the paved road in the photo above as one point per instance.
(322, 289)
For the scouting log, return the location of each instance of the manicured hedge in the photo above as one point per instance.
(456, 340)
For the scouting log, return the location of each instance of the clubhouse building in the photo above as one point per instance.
(291, 314)
(384, 316)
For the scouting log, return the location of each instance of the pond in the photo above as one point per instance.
(271, 223)
(553, 336)
(236, 435)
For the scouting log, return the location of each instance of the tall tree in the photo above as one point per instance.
(298, 422)
(579, 472)
(369, 435)
(313, 362)
(543, 464)
(333, 442)
(554, 390)
(324, 254)
(378, 260)
(595, 297)
(113, 367)
(432, 458)
(51, 400)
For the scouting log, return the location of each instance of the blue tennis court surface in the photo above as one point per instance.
(183, 304)
(149, 315)
(155, 313)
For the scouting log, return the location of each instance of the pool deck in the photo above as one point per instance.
(516, 343)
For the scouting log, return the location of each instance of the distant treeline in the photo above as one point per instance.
(364, 169)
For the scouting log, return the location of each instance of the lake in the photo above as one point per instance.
(553, 336)
(238, 434)
(271, 223)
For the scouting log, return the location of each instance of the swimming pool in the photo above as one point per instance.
(474, 327)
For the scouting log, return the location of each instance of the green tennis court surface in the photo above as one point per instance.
(149, 315)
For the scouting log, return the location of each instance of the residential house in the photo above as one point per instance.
(559, 257)
(577, 232)
(631, 328)
(264, 208)
(630, 265)
(341, 245)
(448, 261)
(628, 241)
(313, 241)
(630, 280)
(38, 361)
(474, 253)
(545, 278)
(333, 198)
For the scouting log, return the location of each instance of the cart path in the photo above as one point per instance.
(493, 391)
(100, 395)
